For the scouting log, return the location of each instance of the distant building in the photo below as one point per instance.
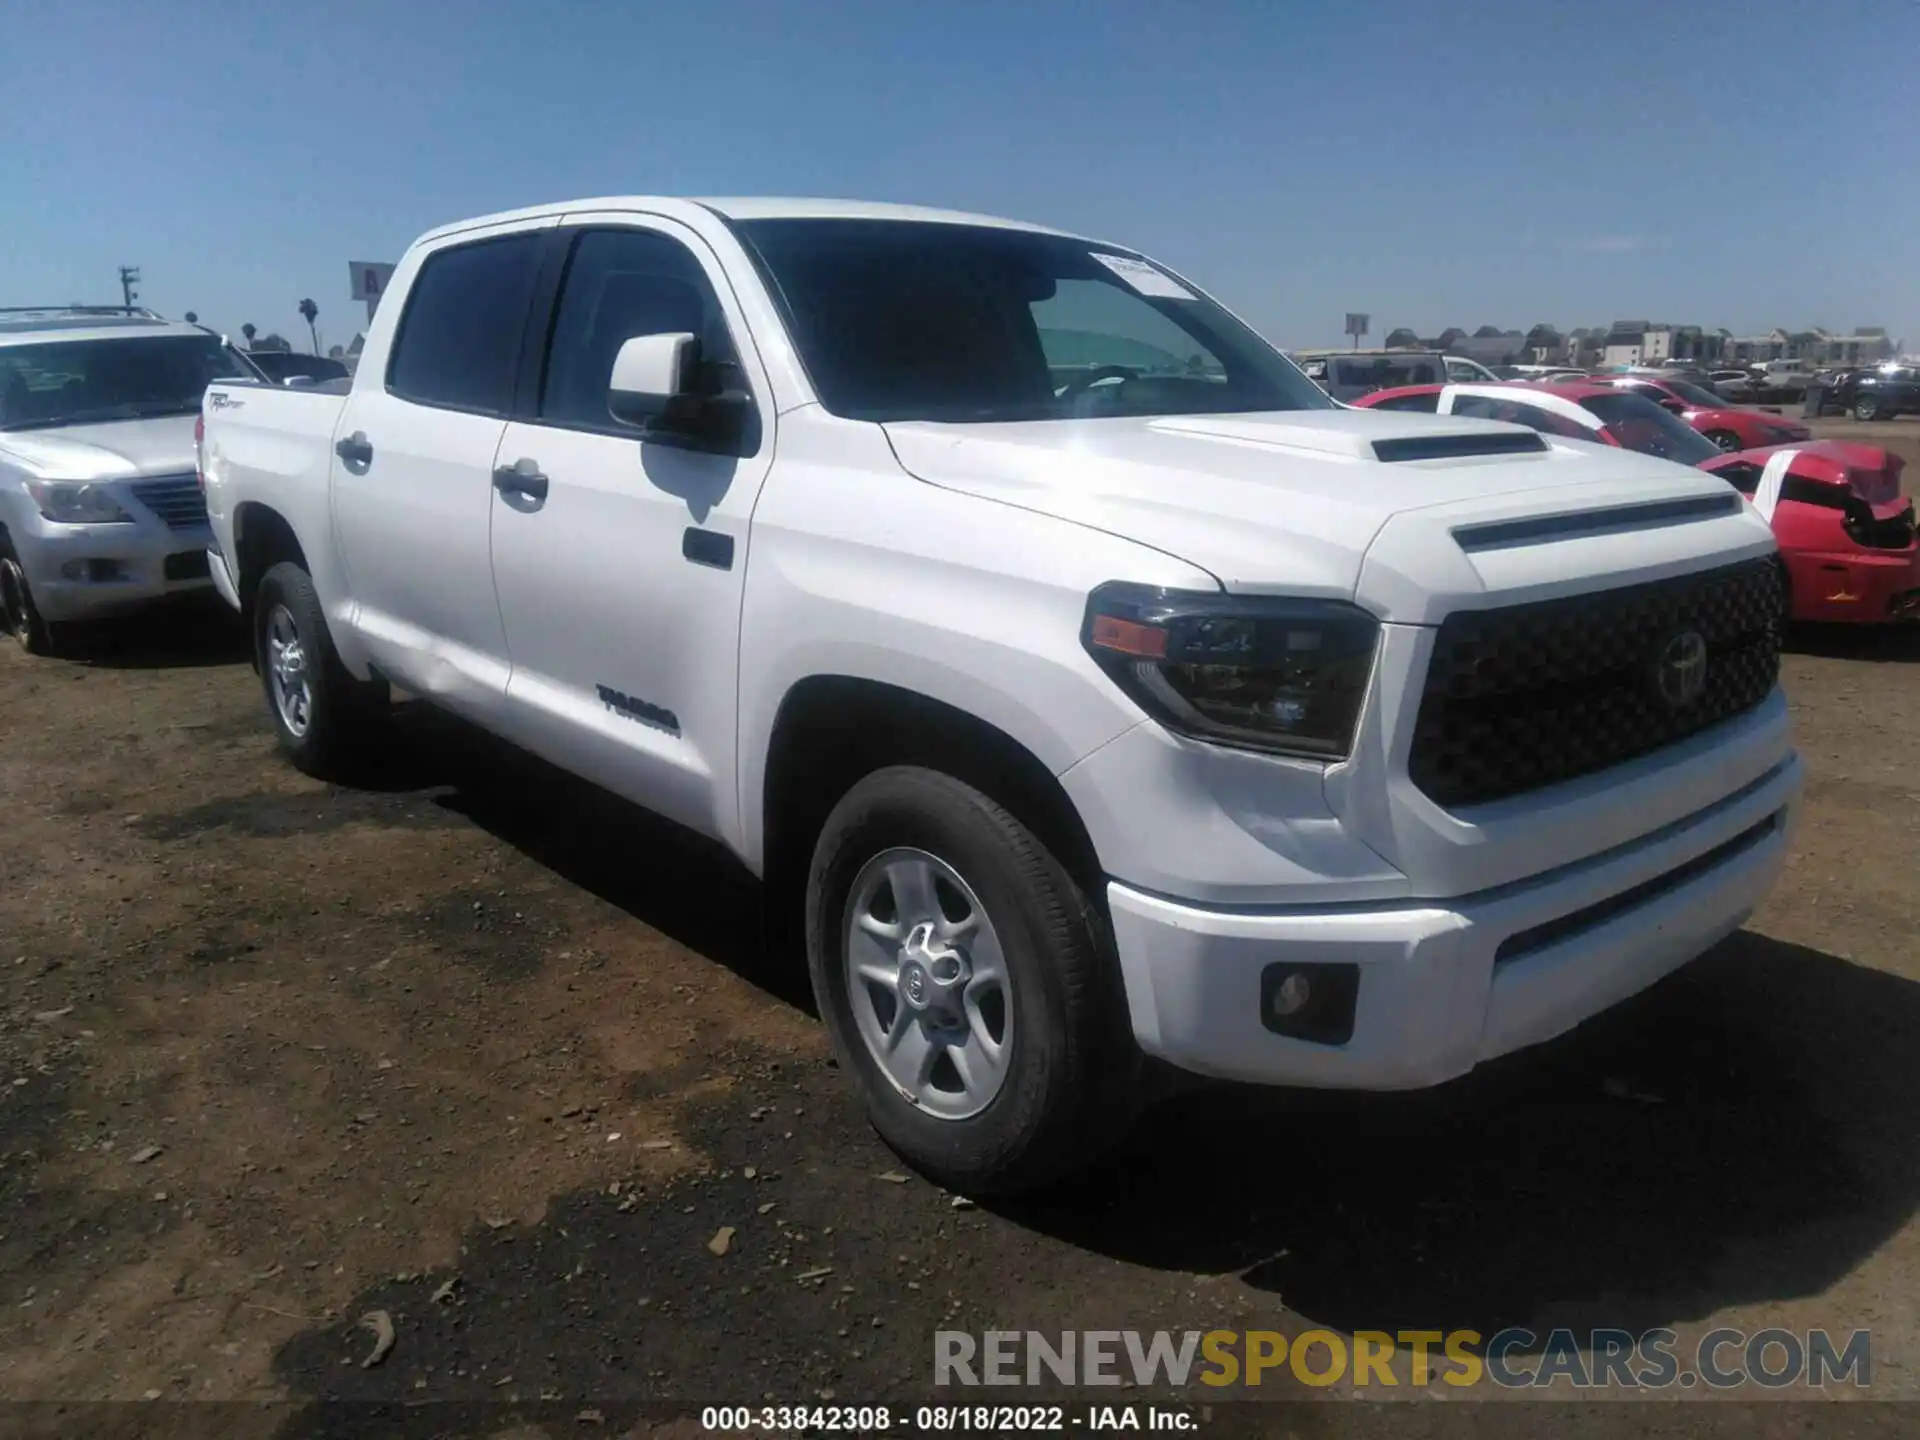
(1867, 345)
(1652, 342)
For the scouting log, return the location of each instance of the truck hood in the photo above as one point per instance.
(1302, 502)
(115, 450)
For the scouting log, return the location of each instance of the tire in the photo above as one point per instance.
(1725, 439)
(1866, 408)
(22, 618)
(1068, 1077)
(324, 717)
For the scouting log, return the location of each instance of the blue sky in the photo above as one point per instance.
(1740, 164)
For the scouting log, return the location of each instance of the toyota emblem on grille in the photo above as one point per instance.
(1680, 669)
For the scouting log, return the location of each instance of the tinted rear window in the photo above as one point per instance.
(459, 340)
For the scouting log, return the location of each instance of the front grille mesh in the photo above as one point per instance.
(176, 499)
(1529, 695)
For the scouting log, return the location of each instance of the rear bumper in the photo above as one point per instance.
(1446, 985)
(1858, 586)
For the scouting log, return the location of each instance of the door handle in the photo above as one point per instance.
(523, 477)
(356, 449)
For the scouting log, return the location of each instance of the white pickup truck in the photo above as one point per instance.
(1084, 681)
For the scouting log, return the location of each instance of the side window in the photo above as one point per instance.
(621, 284)
(1547, 423)
(459, 340)
(1426, 402)
(1514, 412)
(1463, 374)
(1480, 407)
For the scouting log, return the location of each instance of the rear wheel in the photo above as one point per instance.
(322, 715)
(1867, 407)
(1725, 439)
(968, 985)
(30, 630)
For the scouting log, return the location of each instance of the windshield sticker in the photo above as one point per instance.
(1143, 277)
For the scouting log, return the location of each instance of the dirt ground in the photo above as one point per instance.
(481, 1049)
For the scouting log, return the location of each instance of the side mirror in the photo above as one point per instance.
(660, 386)
(297, 382)
(650, 375)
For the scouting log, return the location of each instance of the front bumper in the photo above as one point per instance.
(1446, 985)
(1858, 586)
(81, 572)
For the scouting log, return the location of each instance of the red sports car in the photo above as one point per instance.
(1729, 427)
(1846, 534)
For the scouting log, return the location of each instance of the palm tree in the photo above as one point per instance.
(248, 331)
(310, 312)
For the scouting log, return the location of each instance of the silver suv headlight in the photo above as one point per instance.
(70, 502)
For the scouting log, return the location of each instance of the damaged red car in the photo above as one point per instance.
(1846, 533)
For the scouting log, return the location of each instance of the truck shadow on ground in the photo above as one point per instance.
(688, 888)
(1741, 1133)
(1738, 1135)
(179, 635)
(1894, 644)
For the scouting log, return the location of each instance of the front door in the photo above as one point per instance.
(620, 578)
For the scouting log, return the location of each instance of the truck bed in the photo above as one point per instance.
(269, 442)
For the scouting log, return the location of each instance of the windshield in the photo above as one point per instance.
(1695, 395)
(1639, 424)
(902, 320)
(77, 382)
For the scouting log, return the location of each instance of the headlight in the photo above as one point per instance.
(70, 503)
(1275, 674)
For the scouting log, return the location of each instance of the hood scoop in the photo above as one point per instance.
(1458, 447)
(1335, 435)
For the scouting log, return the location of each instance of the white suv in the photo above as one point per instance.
(100, 509)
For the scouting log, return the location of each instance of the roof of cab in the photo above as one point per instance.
(59, 328)
(751, 208)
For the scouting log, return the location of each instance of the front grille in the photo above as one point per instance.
(176, 499)
(1592, 917)
(1530, 695)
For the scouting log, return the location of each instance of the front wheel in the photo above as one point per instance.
(24, 623)
(967, 984)
(322, 715)
(1866, 408)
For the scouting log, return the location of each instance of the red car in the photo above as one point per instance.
(1846, 534)
(1729, 427)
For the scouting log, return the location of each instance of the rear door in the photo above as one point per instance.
(413, 485)
(620, 581)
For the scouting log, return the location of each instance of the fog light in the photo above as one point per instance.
(93, 572)
(1310, 1002)
(1292, 995)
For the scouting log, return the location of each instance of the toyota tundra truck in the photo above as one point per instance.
(1085, 685)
